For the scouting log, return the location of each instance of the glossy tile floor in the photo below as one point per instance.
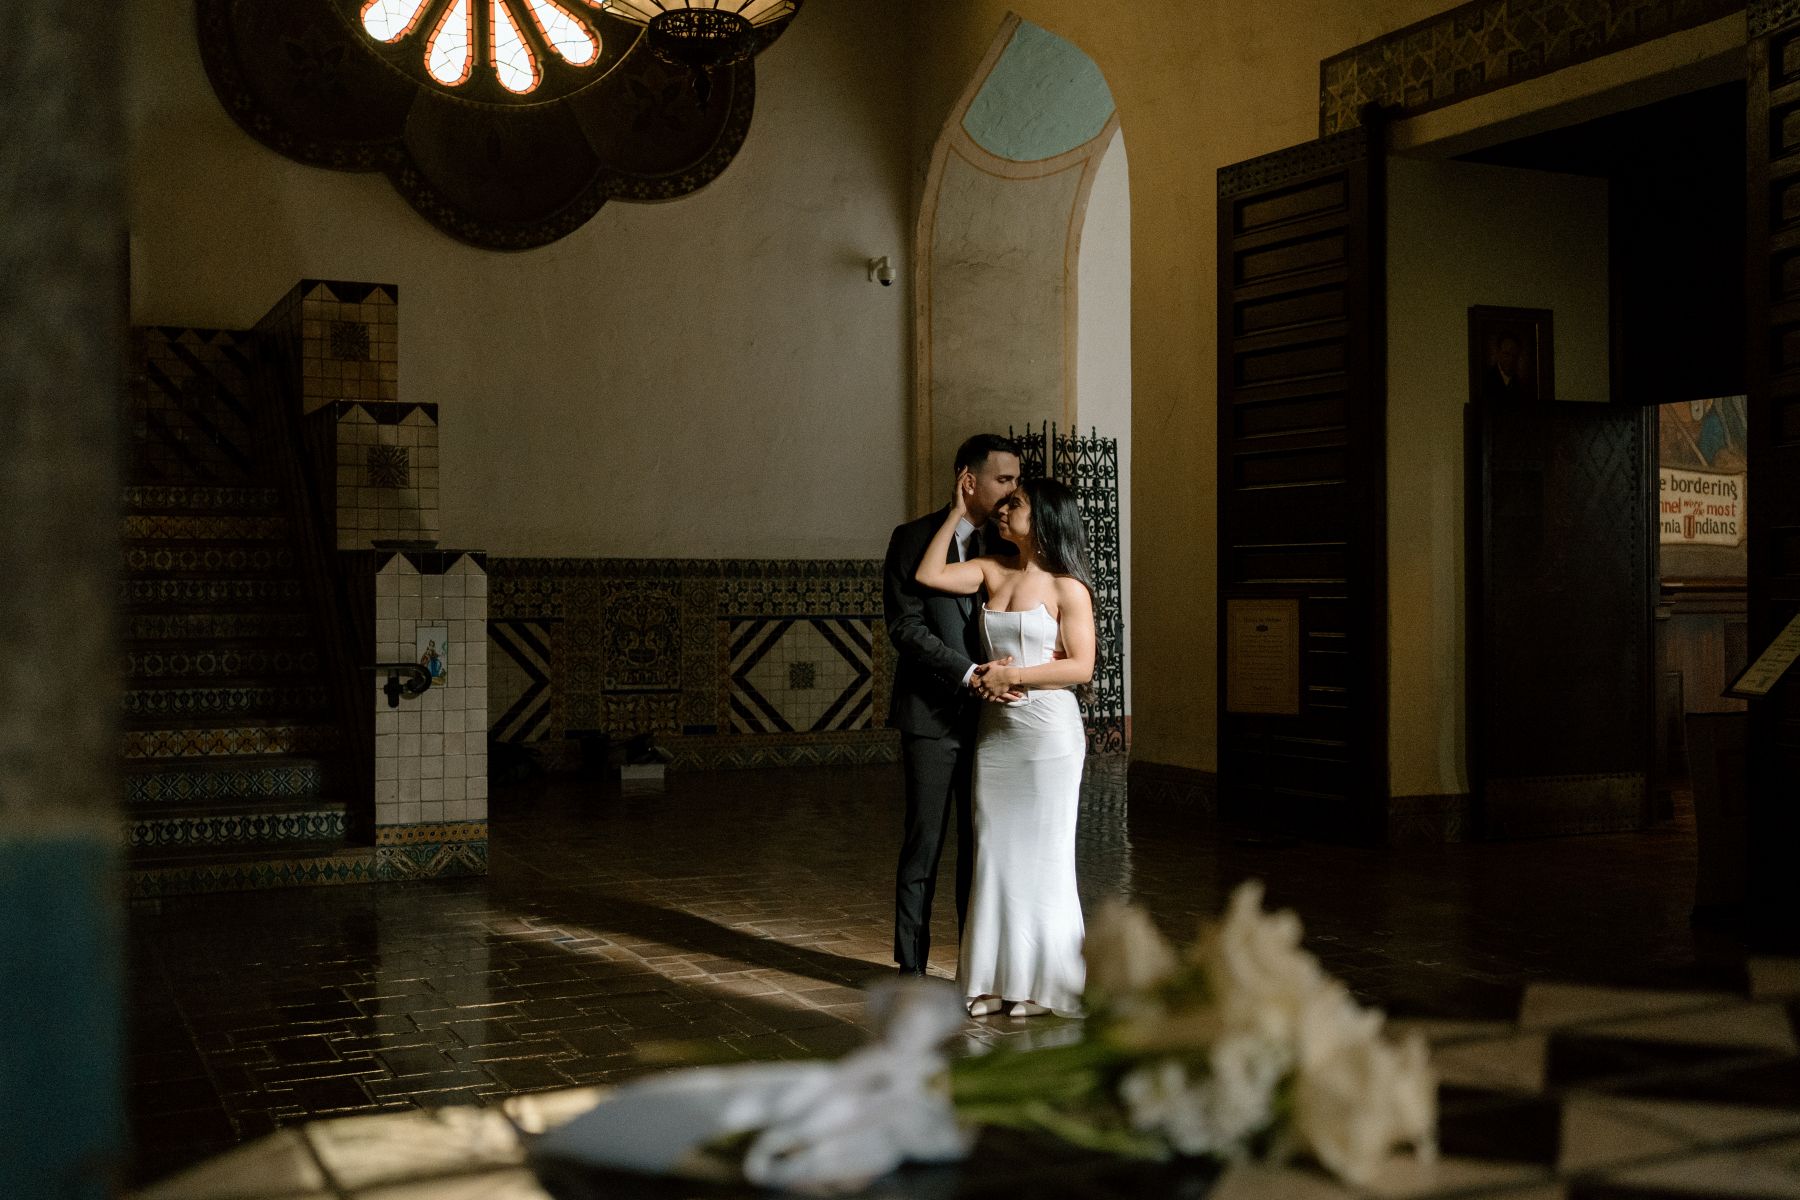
(742, 911)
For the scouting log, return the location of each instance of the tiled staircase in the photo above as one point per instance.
(230, 733)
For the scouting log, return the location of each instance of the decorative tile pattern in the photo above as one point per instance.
(349, 341)
(227, 702)
(832, 658)
(355, 865)
(214, 626)
(387, 472)
(144, 557)
(164, 498)
(171, 785)
(222, 742)
(645, 646)
(237, 829)
(210, 528)
(519, 678)
(1488, 44)
(233, 662)
(191, 408)
(388, 467)
(209, 592)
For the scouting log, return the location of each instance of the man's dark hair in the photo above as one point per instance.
(974, 452)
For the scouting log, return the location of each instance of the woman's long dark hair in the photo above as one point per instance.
(1057, 528)
(1061, 538)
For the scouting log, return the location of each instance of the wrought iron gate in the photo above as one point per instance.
(1090, 465)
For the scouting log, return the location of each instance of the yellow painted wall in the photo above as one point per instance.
(1199, 84)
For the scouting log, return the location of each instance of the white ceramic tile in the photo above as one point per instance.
(456, 787)
(386, 767)
(431, 810)
(477, 807)
(431, 745)
(409, 717)
(407, 745)
(456, 810)
(409, 812)
(431, 768)
(387, 791)
(431, 790)
(478, 789)
(387, 720)
(475, 720)
(456, 766)
(409, 788)
(431, 720)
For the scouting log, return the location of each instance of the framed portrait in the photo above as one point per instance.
(1511, 359)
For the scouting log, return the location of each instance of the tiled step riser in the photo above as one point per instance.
(352, 866)
(146, 558)
(203, 528)
(206, 593)
(152, 704)
(154, 627)
(219, 743)
(229, 664)
(299, 780)
(164, 499)
(227, 832)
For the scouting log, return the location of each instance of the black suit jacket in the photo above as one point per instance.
(936, 636)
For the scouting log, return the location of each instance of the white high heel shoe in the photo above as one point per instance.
(985, 1006)
(1026, 1008)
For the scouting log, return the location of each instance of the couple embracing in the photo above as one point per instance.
(989, 605)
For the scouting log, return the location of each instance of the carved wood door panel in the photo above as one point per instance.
(1773, 503)
(1301, 477)
(1559, 636)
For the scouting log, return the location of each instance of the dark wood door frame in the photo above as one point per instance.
(1302, 479)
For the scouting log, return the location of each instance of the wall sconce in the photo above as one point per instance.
(880, 272)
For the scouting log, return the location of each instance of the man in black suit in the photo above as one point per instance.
(938, 654)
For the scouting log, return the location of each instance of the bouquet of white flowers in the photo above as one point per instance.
(1240, 1047)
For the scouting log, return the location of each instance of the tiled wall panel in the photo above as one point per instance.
(431, 773)
(733, 662)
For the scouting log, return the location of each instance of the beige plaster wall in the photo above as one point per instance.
(1103, 339)
(1460, 234)
(710, 377)
(1199, 84)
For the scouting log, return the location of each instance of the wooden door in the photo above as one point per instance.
(1560, 587)
(1773, 501)
(1302, 483)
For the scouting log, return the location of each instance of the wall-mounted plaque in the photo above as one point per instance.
(1770, 665)
(1262, 656)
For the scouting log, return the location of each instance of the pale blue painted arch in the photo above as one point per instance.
(1043, 98)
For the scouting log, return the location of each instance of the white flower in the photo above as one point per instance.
(1214, 1110)
(1125, 953)
(1357, 1102)
(1261, 978)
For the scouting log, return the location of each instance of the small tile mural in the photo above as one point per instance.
(726, 662)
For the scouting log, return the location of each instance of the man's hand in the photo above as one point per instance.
(990, 695)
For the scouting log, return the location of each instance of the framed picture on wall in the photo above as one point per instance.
(1511, 359)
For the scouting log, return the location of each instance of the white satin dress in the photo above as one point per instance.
(1024, 933)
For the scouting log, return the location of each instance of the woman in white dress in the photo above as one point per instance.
(1021, 948)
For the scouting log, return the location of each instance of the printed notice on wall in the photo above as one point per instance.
(1262, 656)
(1700, 508)
(1770, 665)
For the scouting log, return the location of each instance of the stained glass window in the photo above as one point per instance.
(448, 47)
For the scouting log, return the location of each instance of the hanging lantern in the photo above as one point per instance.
(702, 35)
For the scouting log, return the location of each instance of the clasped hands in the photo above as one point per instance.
(989, 682)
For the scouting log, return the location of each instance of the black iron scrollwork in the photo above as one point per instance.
(1090, 465)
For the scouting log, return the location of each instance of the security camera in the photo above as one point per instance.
(881, 272)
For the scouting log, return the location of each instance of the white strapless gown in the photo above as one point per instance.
(1024, 932)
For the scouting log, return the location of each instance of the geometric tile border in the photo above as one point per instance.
(449, 857)
(239, 829)
(1487, 44)
(798, 674)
